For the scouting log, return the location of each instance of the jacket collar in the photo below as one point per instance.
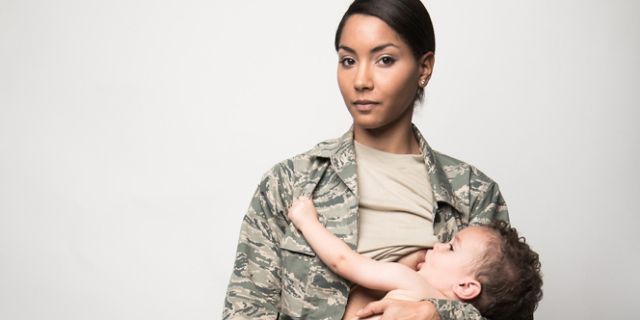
(442, 190)
(341, 153)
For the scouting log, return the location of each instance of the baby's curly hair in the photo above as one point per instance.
(510, 276)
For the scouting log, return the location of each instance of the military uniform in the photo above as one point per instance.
(277, 275)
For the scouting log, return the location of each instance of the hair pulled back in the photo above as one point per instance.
(409, 18)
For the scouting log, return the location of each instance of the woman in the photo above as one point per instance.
(381, 173)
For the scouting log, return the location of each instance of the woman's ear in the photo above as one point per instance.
(468, 289)
(426, 67)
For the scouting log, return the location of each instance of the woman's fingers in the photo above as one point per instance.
(376, 307)
(392, 309)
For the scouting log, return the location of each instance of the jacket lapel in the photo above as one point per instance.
(342, 157)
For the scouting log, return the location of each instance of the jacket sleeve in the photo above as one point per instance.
(455, 310)
(255, 284)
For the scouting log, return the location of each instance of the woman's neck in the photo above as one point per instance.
(394, 139)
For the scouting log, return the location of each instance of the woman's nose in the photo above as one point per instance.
(363, 79)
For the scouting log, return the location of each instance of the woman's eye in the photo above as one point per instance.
(386, 60)
(347, 62)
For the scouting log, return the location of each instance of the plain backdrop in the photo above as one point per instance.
(133, 133)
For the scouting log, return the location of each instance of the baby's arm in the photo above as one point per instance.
(337, 255)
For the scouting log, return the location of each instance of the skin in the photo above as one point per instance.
(360, 297)
(450, 267)
(379, 77)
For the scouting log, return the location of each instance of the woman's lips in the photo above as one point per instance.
(365, 105)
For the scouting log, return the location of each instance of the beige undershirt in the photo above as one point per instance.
(395, 205)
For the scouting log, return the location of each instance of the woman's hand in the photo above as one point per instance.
(302, 211)
(391, 309)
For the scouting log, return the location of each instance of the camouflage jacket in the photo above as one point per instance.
(277, 275)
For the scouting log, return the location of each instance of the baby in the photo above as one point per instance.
(487, 266)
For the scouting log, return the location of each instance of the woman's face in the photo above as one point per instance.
(377, 73)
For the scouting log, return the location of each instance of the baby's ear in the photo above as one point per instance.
(467, 289)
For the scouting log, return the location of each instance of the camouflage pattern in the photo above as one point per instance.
(277, 275)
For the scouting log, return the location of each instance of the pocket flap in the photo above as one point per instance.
(294, 241)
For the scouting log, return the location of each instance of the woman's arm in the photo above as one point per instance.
(341, 259)
(433, 309)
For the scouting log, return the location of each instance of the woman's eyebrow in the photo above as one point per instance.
(382, 47)
(345, 48)
(374, 50)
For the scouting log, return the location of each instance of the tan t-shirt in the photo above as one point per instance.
(395, 205)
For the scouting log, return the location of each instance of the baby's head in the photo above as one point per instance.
(489, 266)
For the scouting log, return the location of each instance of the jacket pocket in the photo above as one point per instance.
(293, 241)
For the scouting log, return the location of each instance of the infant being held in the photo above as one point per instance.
(488, 266)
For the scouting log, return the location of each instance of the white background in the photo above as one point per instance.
(133, 133)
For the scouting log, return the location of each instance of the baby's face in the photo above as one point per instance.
(449, 264)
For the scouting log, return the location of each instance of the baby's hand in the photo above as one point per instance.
(302, 211)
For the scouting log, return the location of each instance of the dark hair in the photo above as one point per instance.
(409, 18)
(510, 276)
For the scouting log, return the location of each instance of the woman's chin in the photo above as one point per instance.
(368, 123)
